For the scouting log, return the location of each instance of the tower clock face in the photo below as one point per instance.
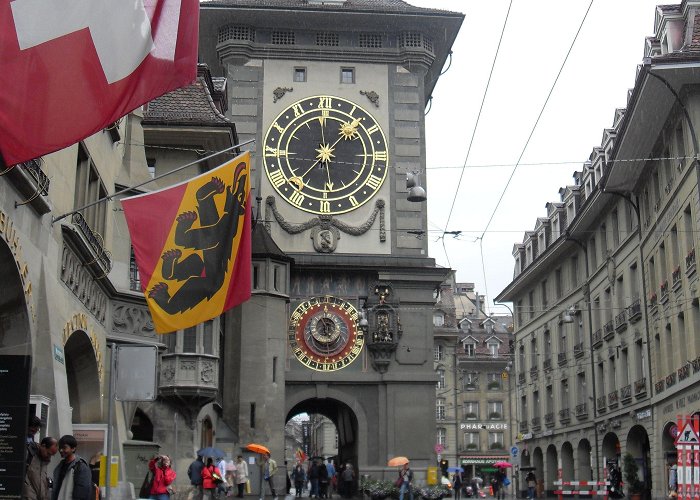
(325, 155)
(324, 334)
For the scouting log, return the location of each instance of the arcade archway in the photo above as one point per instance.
(611, 448)
(346, 426)
(567, 462)
(15, 333)
(583, 460)
(83, 379)
(638, 445)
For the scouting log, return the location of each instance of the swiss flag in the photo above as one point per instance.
(69, 68)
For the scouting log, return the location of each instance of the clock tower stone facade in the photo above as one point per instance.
(333, 93)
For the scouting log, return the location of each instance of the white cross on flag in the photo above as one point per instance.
(71, 67)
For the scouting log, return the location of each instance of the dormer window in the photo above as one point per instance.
(470, 350)
(493, 349)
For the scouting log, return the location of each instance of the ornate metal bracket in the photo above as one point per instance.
(279, 92)
(372, 96)
(325, 239)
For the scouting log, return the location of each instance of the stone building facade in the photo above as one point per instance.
(605, 286)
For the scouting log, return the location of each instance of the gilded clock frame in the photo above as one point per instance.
(353, 123)
(341, 311)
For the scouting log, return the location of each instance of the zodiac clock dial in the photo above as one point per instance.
(325, 155)
(324, 334)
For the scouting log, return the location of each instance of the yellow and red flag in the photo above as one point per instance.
(192, 245)
(301, 456)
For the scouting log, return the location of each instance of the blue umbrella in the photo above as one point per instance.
(210, 451)
(454, 469)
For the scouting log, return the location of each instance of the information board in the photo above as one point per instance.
(15, 372)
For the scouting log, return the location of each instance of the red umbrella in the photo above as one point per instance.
(502, 465)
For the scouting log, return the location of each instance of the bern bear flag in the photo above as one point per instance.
(70, 68)
(192, 245)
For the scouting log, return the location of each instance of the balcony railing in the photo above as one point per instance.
(32, 184)
(533, 373)
(578, 350)
(664, 291)
(676, 278)
(549, 419)
(696, 364)
(581, 411)
(670, 379)
(547, 364)
(690, 262)
(621, 321)
(597, 337)
(659, 386)
(653, 300)
(522, 426)
(521, 378)
(33, 167)
(561, 358)
(634, 311)
(640, 387)
(612, 399)
(626, 393)
(601, 404)
(608, 330)
(94, 241)
(564, 415)
(683, 372)
(536, 423)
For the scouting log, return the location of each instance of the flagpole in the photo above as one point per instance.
(108, 198)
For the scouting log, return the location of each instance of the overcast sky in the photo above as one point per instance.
(594, 82)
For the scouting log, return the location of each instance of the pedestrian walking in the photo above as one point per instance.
(241, 475)
(211, 476)
(163, 477)
(497, 484)
(313, 478)
(71, 477)
(332, 479)
(457, 482)
(322, 480)
(348, 478)
(194, 472)
(37, 484)
(406, 476)
(299, 478)
(531, 480)
(269, 467)
(221, 487)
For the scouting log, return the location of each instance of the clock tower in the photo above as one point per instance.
(333, 92)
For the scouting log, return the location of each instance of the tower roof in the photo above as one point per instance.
(348, 5)
(263, 246)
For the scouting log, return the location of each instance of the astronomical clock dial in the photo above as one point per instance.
(325, 155)
(324, 333)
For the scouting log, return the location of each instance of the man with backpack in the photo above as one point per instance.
(71, 477)
(36, 480)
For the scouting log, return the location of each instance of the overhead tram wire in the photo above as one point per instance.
(527, 142)
(539, 116)
(478, 117)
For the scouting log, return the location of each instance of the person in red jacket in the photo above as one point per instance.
(209, 483)
(163, 477)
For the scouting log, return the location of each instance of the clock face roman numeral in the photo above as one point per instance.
(297, 198)
(324, 206)
(372, 129)
(373, 182)
(277, 178)
(298, 110)
(353, 201)
(325, 102)
(279, 128)
(274, 152)
(379, 156)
